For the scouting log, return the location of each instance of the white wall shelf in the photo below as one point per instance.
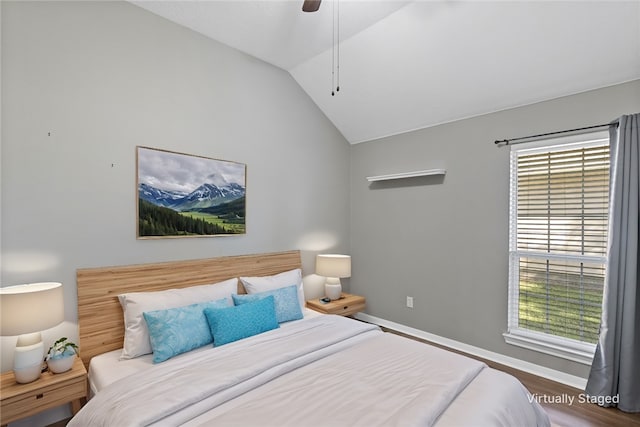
(406, 175)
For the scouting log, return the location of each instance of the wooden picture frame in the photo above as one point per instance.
(183, 195)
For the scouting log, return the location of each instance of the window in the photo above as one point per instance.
(558, 243)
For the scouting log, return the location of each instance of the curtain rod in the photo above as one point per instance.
(503, 142)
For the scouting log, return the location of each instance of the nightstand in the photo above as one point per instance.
(347, 305)
(50, 390)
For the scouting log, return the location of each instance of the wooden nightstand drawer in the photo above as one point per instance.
(35, 401)
(51, 390)
(348, 305)
(347, 309)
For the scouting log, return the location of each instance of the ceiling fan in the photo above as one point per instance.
(311, 5)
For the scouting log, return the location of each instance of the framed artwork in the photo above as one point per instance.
(182, 195)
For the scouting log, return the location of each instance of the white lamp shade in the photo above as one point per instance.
(333, 265)
(30, 308)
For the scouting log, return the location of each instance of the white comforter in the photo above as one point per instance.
(324, 371)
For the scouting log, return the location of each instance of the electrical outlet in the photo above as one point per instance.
(410, 302)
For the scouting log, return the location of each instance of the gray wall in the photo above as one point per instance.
(103, 77)
(445, 242)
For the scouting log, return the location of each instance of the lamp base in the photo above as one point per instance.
(333, 291)
(28, 374)
(28, 356)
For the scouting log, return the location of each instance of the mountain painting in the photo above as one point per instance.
(181, 195)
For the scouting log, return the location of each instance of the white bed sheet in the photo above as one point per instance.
(481, 403)
(107, 368)
(493, 398)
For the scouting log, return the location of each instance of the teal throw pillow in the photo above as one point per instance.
(286, 302)
(178, 330)
(235, 323)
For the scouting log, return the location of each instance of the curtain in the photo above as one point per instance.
(615, 372)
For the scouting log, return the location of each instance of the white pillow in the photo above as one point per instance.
(253, 285)
(136, 334)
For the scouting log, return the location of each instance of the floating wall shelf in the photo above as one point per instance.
(406, 175)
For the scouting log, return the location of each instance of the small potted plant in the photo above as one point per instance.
(61, 355)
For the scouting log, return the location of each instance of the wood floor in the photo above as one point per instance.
(561, 414)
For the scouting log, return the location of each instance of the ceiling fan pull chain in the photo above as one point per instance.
(338, 59)
(333, 45)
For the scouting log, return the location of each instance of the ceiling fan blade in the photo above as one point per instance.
(311, 5)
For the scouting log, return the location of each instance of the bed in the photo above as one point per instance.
(312, 370)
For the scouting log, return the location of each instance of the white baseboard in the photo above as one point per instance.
(532, 368)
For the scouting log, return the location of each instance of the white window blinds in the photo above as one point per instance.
(558, 240)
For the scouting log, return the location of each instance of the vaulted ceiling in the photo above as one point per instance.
(406, 65)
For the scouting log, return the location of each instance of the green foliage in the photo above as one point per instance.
(61, 346)
(158, 221)
(566, 311)
(234, 209)
(232, 225)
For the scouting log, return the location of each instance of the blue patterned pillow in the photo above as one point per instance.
(286, 300)
(178, 330)
(235, 323)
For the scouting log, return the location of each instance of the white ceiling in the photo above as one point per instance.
(408, 65)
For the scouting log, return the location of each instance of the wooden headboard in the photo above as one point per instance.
(100, 316)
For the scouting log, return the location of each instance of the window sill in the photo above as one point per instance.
(566, 349)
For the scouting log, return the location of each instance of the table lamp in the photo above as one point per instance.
(333, 267)
(25, 311)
